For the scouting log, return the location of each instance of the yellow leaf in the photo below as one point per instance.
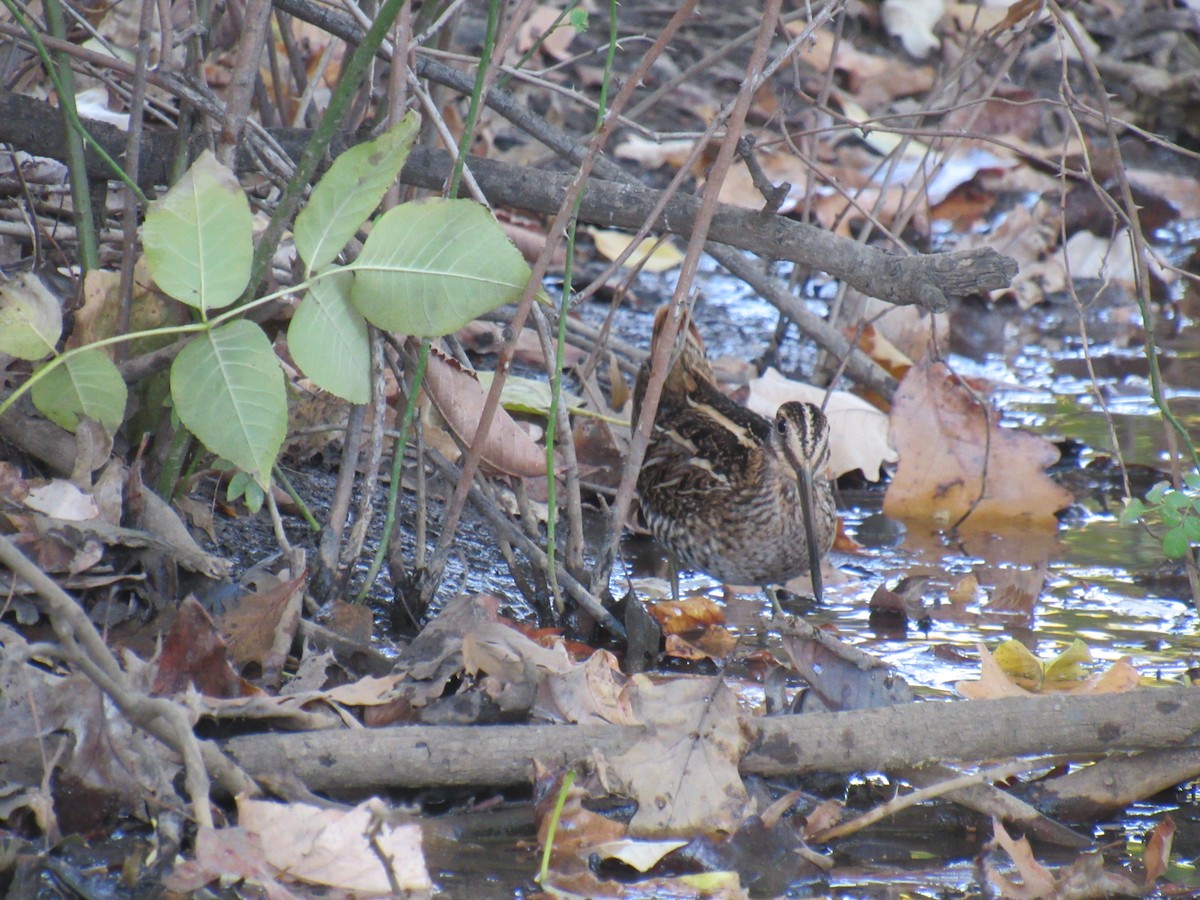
(1019, 664)
(661, 258)
(1069, 665)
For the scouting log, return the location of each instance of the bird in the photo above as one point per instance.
(739, 496)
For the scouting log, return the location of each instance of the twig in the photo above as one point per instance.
(158, 716)
(904, 801)
(133, 150)
(255, 19)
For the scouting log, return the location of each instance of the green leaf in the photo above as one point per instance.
(1155, 494)
(1191, 529)
(578, 17)
(528, 395)
(1133, 511)
(1175, 543)
(1176, 501)
(198, 237)
(87, 384)
(1170, 517)
(430, 267)
(30, 318)
(242, 486)
(1192, 480)
(350, 191)
(328, 339)
(228, 390)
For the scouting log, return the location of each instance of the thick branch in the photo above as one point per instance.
(886, 739)
(925, 280)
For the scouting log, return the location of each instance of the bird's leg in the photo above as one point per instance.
(773, 596)
(673, 565)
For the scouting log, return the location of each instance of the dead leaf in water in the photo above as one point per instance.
(953, 452)
(683, 772)
(1017, 590)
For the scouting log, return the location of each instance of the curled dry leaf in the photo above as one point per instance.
(459, 397)
(953, 452)
(906, 331)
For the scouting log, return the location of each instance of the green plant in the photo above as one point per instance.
(1177, 509)
(427, 268)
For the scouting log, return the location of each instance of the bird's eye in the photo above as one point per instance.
(781, 425)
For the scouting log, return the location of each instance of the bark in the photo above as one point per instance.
(926, 280)
(885, 739)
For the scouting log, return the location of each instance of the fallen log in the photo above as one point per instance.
(881, 739)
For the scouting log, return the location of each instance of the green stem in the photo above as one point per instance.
(389, 523)
(485, 56)
(65, 89)
(290, 490)
(560, 348)
(556, 814)
(310, 158)
(64, 83)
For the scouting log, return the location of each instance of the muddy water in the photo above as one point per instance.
(1105, 584)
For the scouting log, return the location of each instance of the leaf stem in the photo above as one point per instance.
(561, 344)
(389, 522)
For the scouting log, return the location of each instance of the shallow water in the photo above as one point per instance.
(1105, 584)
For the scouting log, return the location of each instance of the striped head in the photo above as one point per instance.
(801, 436)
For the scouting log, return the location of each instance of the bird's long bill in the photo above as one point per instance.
(810, 530)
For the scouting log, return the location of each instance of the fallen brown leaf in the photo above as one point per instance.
(459, 397)
(953, 453)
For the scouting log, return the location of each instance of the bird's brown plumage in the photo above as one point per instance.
(723, 487)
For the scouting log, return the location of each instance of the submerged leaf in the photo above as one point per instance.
(956, 458)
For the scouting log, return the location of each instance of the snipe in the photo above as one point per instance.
(727, 491)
